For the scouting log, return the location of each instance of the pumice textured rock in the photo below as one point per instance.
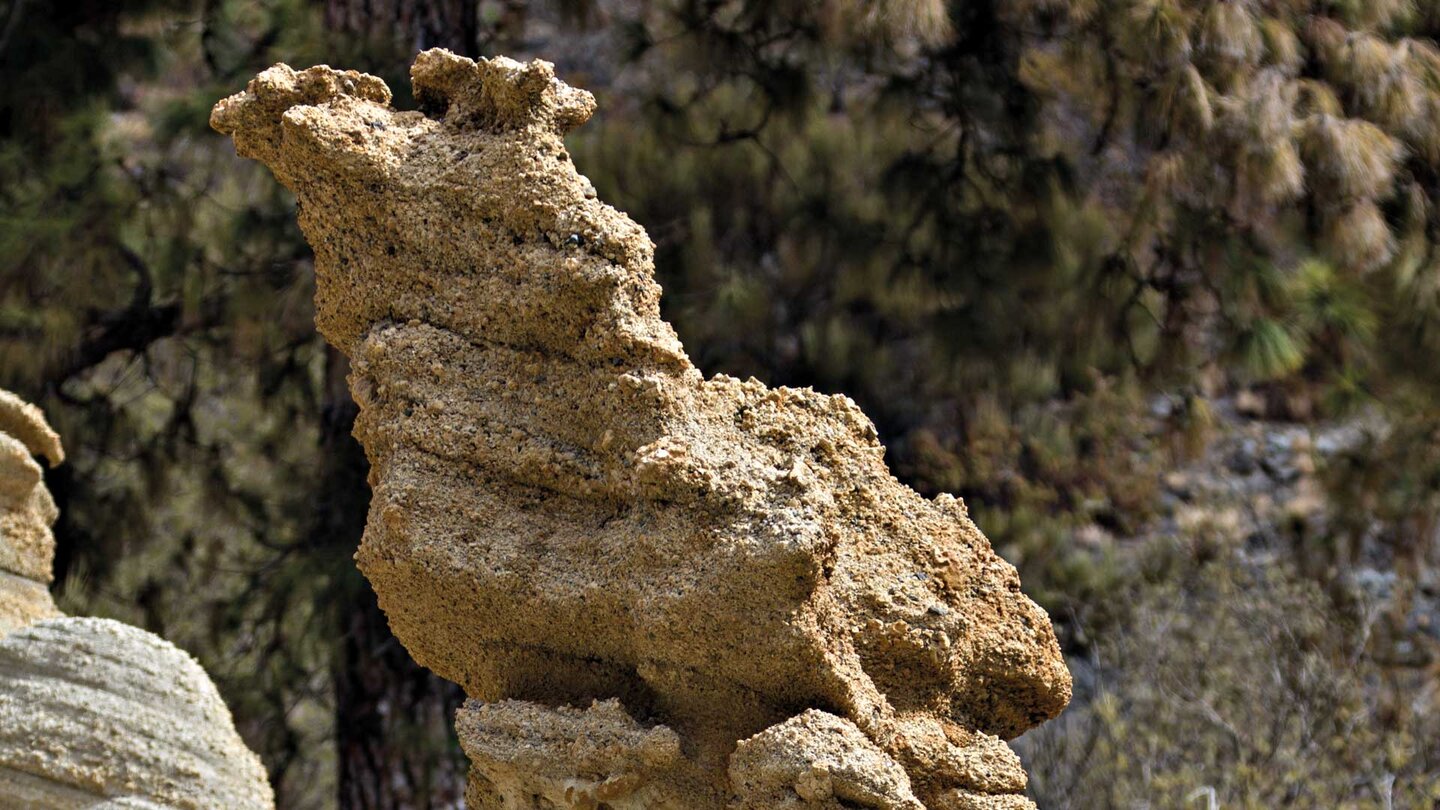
(26, 513)
(659, 590)
(94, 713)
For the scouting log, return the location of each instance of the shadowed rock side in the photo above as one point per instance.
(93, 713)
(659, 590)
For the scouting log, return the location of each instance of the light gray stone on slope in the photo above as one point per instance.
(20, 789)
(93, 709)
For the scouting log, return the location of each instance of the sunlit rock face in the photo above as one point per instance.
(27, 549)
(659, 590)
(94, 713)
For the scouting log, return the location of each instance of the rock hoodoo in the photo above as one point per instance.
(659, 590)
(95, 713)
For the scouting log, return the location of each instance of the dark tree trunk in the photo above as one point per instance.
(70, 539)
(453, 24)
(393, 719)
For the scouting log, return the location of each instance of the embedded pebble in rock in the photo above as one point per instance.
(95, 714)
(659, 590)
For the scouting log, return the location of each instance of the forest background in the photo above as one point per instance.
(1153, 284)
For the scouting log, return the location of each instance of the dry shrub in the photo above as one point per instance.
(1238, 681)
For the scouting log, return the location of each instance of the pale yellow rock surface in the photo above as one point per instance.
(574, 758)
(817, 760)
(27, 549)
(27, 425)
(94, 714)
(23, 601)
(567, 511)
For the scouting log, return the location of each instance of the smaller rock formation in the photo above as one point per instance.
(94, 713)
(26, 513)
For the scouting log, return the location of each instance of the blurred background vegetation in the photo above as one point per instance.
(1153, 284)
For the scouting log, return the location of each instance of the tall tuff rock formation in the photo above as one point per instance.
(659, 590)
(94, 713)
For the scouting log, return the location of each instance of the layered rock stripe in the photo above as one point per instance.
(659, 590)
(94, 713)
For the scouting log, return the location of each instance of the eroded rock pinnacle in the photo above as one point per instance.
(659, 590)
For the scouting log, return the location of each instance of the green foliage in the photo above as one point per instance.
(1267, 350)
(1245, 115)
